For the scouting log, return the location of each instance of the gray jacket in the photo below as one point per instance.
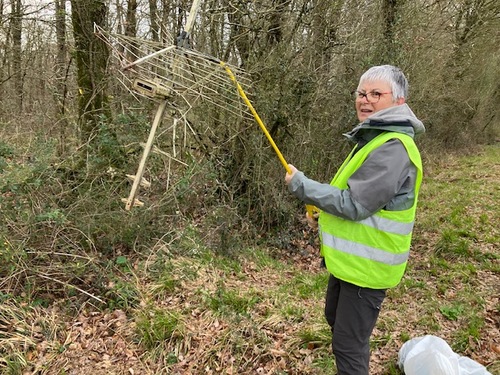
(385, 180)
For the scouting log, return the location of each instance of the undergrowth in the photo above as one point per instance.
(195, 295)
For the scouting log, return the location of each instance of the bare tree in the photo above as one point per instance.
(61, 71)
(239, 38)
(154, 26)
(3, 54)
(91, 56)
(16, 28)
(131, 22)
(277, 20)
(390, 9)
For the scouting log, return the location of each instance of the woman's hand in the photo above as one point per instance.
(312, 221)
(289, 176)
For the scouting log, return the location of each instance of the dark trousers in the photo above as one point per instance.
(351, 312)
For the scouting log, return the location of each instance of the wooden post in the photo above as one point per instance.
(147, 149)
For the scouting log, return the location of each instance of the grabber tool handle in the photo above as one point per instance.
(312, 210)
(256, 116)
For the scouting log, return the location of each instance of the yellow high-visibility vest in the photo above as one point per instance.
(373, 252)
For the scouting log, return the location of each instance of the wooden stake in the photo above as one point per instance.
(140, 171)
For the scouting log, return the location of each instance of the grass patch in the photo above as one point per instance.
(316, 335)
(226, 301)
(157, 327)
(448, 288)
(306, 285)
(176, 303)
(452, 312)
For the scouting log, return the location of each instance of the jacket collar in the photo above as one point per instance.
(399, 119)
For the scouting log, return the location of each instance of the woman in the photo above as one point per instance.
(367, 213)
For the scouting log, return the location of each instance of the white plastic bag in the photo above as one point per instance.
(469, 367)
(431, 355)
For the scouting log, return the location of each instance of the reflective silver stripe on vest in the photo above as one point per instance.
(387, 225)
(364, 251)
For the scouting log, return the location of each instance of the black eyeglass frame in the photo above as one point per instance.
(358, 95)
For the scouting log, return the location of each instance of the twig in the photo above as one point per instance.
(69, 285)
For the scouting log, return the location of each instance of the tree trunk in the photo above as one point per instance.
(276, 21)
(3, 45)
(390, 10)
(154, 26)
(16, 32)
(61, 72)
(131, 25)
(181, 16)
(324, 29)
(238, 36)
(91, 55)
(131, 22)
(167, 19)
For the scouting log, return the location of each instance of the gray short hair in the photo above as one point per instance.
(390, 74)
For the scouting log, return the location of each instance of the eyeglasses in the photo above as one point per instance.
(371, 97)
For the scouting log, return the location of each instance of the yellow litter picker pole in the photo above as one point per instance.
(256, 116)
(311, 210)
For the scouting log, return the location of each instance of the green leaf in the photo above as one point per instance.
(121, 260)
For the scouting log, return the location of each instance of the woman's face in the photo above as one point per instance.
(378, 96)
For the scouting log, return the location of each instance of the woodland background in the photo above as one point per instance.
(70, 132)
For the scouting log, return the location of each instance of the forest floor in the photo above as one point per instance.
(260, 312)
